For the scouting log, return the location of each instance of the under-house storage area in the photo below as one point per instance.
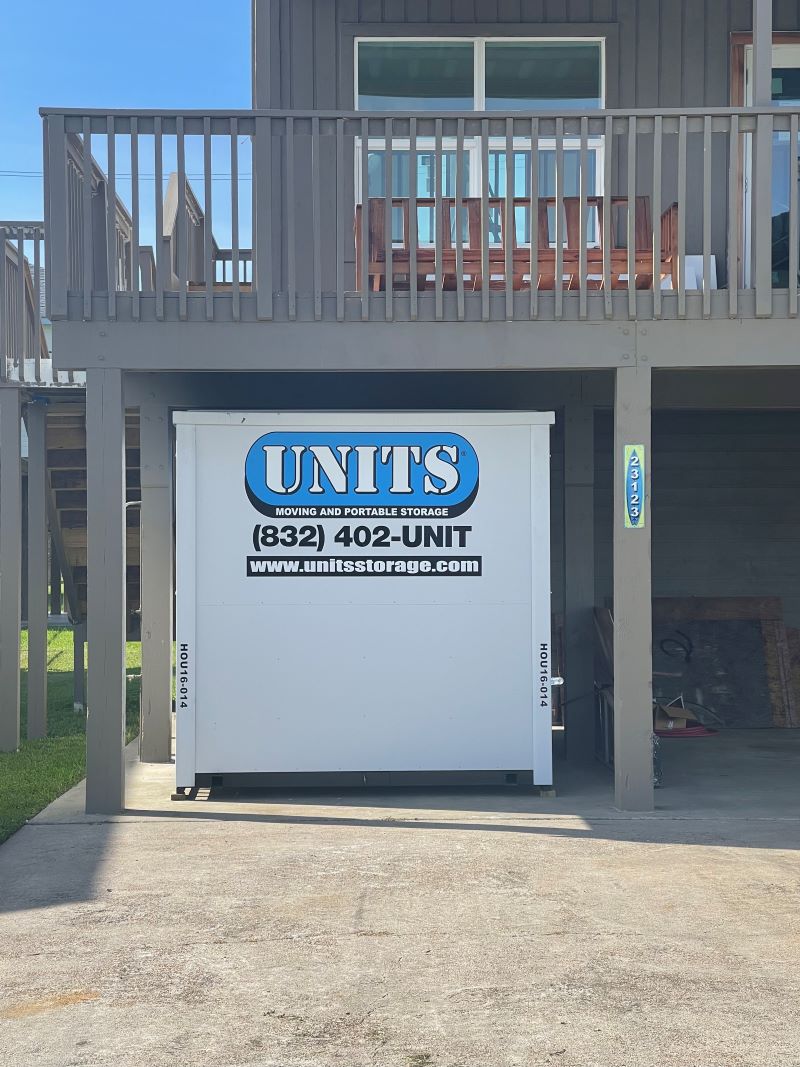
(726, 592)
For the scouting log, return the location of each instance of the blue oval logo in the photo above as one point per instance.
(379, 474)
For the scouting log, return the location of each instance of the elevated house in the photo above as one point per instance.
(587, 206)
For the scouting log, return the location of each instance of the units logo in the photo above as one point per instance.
(361, 474)
(634, 487)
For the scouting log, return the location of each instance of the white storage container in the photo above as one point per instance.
(362, 594)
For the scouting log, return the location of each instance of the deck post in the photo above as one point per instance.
(633, 653)
(264, 36)
(56, 603)
(156, 582)
(10, 565)
(762, 158)
(79, 666)
(38, 575)
(105, 725)
(579, 577)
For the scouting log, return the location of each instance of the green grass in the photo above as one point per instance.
(42, 770)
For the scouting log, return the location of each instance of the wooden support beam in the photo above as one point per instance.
(156, 582)
(633, 653)
(79, 666)
(579, 577)
(105, 726)
(73, 603)
(762, 53)
(35, 419)
(10, 566)
(56, 601)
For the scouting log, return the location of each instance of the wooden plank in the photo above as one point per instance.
(208, 225)
(534, 219)
(234, 159)
(675, 609)
(86, 212)
(316, 217)
(508, 225)
(793, 648)
(707, 177)
(779, 673)
(558, 282)
(341, 214)
(134, 253)
(264, 205)
(111, 218)
(794, 230)
(485, 271)
(458, 236)
(158, 151)
(413, 220)
(733, 217)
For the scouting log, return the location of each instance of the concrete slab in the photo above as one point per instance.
(414, 930)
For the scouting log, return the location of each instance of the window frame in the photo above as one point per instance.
(472, 154)
(479, 43)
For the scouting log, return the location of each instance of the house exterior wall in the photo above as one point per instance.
(659, 54)
(669, 53)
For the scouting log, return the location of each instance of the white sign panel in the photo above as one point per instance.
(363, 592)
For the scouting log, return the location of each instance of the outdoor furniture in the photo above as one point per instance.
(467, 216)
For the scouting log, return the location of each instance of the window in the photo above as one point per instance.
(785, 93)
(541, 75)
(477, 74)
(415, 76)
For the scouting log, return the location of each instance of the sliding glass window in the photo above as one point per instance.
(415, 76)
(477, 74)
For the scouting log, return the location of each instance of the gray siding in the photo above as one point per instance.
(672, 53)
(660, 53)
(726, 505)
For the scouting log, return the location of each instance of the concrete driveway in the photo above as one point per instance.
(392, 929)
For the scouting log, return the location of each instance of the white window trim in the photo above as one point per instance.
(472, 153)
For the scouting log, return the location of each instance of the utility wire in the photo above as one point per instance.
(142, 177)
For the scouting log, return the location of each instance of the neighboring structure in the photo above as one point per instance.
(571, 205)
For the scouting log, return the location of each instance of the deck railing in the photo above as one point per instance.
(24, 346)
(473, 216)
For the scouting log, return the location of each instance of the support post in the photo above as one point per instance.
(264, 29)
(10, 566)
(762, 53)
(24, 574)
(56, 603)
(156, 582)
(105, 725)
(579, 577)
(633, 652)
(79, 666)
(36, 422)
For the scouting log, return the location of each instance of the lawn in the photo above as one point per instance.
(43, 770)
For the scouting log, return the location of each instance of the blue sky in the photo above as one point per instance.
(84, 53)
